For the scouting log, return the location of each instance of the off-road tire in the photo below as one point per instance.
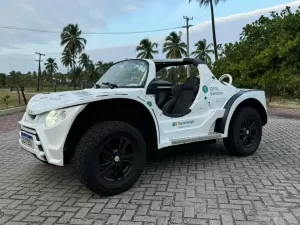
(86, 153)
(68, 156)
(233, 143)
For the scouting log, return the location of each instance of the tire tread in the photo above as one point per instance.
(230, 143)
(86, 144)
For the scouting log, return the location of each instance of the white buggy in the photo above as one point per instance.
(108, 129)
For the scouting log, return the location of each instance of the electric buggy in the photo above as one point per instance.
(108, 129)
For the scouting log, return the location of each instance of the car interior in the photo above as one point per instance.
(176, 102)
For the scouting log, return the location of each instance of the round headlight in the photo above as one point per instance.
(51, 118)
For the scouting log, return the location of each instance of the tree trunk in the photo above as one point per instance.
(41, 82)
(22, 92)
(55, 86)
(19, 98)
(51, 80)
(74, 76)
(213, 28)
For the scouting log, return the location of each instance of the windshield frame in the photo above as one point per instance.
(99, 82)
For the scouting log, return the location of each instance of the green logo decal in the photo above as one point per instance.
(149, 103)
(205, 89)
(184, 123)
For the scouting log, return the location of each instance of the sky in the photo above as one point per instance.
(18, 47)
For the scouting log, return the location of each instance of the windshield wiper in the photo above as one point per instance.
(110, 84)
(95, 85)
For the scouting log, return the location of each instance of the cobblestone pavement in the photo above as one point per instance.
(202, 185)
(9, 122)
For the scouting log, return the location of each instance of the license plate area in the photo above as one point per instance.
(27, 140)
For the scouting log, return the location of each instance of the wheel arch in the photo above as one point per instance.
(235, 103)
(123, 109)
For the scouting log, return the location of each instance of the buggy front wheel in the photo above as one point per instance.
(110, 157)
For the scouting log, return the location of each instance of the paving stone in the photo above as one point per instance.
(199, 185)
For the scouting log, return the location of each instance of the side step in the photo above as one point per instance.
(212, 135)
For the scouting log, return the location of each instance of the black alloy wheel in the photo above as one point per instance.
(248, 132)
(116, 158)
(110, 157)
(244, 133)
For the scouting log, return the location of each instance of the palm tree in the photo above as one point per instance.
(99, 65)
(220, 50)
(71, 40)
(94, 72)
(51, 67)
(66, 59)
(203, 50)
(77, 75)
(174, 47)
(85, 61)
(106, 67)
(146, 49)
(210, 3)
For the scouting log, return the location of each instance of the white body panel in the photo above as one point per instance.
(51, 140)
(197, 125)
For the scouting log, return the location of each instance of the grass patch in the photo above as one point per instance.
(13, 100)
(48, 89)
(279, 102)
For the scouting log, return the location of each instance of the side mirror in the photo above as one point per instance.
(159, 86)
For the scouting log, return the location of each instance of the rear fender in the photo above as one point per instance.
(254, 98)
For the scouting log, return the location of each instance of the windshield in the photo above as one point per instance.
(129, 73)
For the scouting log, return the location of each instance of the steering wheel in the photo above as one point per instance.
(226, 76)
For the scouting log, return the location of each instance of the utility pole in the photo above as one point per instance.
(187, 26)
(39, 70)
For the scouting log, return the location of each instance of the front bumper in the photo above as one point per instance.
(47, 144)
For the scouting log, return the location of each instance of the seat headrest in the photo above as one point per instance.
(191, 83)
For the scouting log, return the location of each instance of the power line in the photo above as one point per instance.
(58, 32)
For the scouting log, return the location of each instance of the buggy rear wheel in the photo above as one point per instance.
(244, 133)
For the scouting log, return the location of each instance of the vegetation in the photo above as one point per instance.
(203, 50)
(266, 57)
(51, 67)
(5, 100)
(210, 3)
(10, 99)
(174, 47)
(146, 49)
(73, 43)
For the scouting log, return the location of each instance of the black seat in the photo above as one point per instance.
(184, 96)
(162, 98)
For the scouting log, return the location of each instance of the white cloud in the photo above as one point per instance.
(228, 30)
(245, 16)
(53, 15)
(130, 8)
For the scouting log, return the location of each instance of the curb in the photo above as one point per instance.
(12, 111)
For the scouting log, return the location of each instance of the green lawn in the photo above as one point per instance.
(279, 102)
(13, 101)
(48, 89)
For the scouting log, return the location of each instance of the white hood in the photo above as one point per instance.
(45, 102)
